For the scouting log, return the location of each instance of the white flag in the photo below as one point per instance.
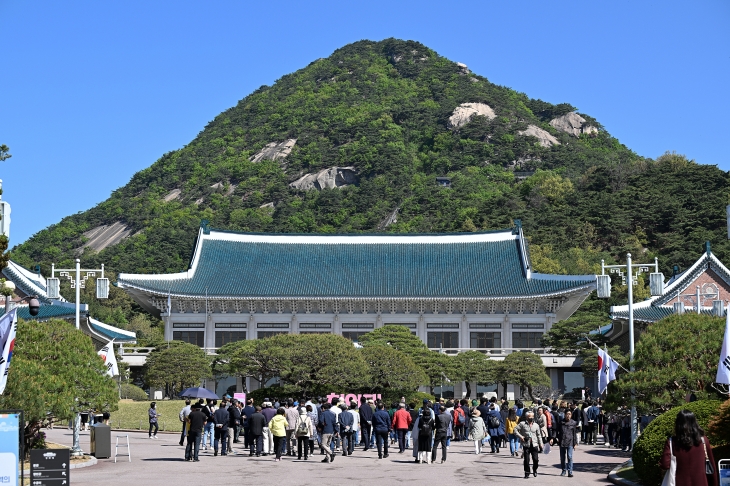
(723, 368)
(8, 328)
(606, 370)
(169, 306)
(107, 354)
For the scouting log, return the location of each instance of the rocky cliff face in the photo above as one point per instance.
(463, 113)
(331, 178)
(572, 124)
(274, 151)
(543, 137)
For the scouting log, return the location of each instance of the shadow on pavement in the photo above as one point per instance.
(166, 459)
(608, 453)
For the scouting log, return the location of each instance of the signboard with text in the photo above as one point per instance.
(352, 397)
(50, 467)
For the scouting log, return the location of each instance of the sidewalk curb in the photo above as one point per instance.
(91, 462)
(615, 479)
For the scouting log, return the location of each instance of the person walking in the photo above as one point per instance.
(303, 430)
(355, 427)
(495, 427)
(256, 424)
(567, 438)
(234, 417)
(277, 426)
(366, 422)
(246, 414)
(208, 410)
(292, 415)
(401, 422)
(426, 424)
(183, 418)
(327, 422)
(152, 413)
(477, 430)
(509, 428)
(314, 418)
(345, 421)
(196, 422)
(381, 428)
(221, 419)
(441, 432)
(690, 447)
(541, 421)
(529, 434)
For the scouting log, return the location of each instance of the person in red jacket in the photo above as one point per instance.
(401, 420)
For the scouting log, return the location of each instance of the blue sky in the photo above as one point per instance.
(92, 92)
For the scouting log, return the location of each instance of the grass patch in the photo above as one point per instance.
(133, 415)
(628, 473)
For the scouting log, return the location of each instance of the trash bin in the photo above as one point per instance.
(101, 441)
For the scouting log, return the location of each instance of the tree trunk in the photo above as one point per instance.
(468, 388)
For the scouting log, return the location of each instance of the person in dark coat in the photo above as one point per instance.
(381, 428)
(441, 428)
(234, 422)
(567, 438)
(366, 422)
(256, 423)
(221, 418)
(196, 421)
(690, 446)
(247, 412)
(495, 431)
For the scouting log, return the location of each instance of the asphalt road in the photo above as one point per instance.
(162, 460)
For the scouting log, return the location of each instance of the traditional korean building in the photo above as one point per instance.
(29, 283)
(701, 289)
(454, 291)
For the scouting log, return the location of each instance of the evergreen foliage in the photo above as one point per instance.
(176, 367)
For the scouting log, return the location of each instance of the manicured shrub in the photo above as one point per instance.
(719, 428)
(649, 447)
(133, 392)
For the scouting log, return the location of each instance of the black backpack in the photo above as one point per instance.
(494, 422)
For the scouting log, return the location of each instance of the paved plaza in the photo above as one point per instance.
(158, 461)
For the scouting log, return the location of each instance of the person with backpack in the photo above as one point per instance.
(459, 418)
(303, 430)
(591, 416)
(425, 435)
(495, 427)
(477, 430)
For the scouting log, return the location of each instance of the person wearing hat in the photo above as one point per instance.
(477, 430)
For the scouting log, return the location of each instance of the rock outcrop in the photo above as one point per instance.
(106, 235)
(463, 113)
(572, 124)
(172, 195)
(544, 137)
(274, 151)
(463, 68)
(334, 177)
(220, 185)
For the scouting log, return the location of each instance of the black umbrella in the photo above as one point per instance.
(198, 392)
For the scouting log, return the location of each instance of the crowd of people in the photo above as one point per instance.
(297, 428)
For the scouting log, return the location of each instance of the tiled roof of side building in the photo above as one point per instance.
(45, 312)
(654, 313)
(472, 265)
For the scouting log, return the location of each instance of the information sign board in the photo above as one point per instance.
(50, 467)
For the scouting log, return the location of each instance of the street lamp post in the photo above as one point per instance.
(77, 283)
(629, 274)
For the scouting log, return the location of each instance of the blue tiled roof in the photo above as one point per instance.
(655, 313)
(410, 266)
(111, 334)
(45, 312)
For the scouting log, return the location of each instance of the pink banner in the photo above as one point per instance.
(352, 397)
(240, 397)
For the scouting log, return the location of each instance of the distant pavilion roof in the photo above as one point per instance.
(230, 265)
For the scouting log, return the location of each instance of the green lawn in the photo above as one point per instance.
(133, 415)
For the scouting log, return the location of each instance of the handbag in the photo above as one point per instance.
(671, 474)
(546, 448)
(709, 468)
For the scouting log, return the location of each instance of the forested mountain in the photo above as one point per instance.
(355, 143)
